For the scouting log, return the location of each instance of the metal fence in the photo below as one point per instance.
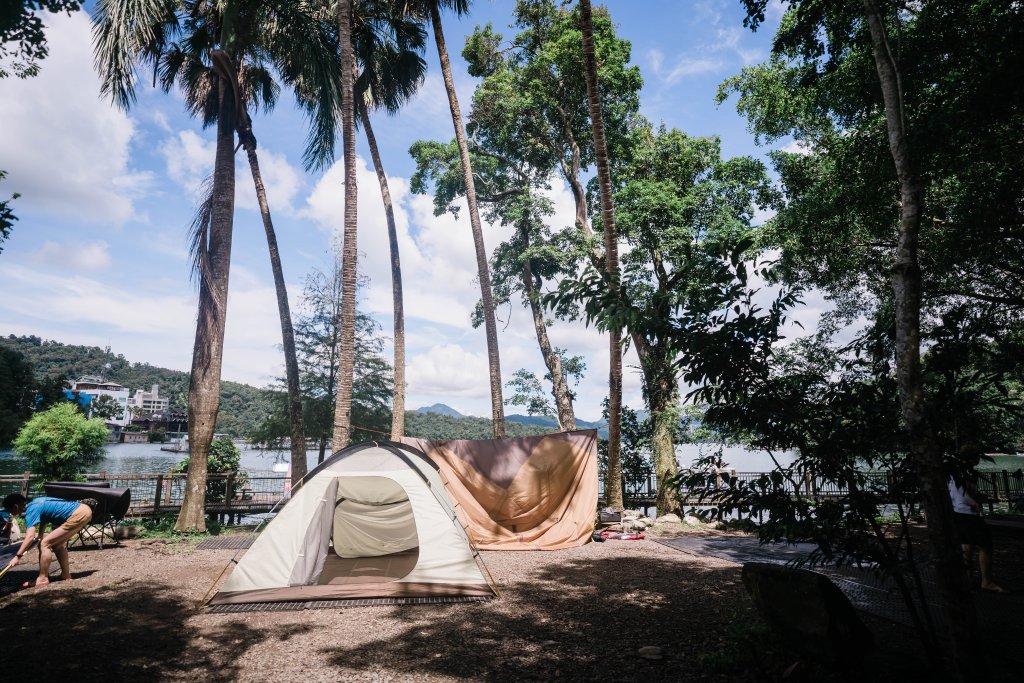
(995, 487)
(246, 491)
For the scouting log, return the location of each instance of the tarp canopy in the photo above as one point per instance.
(529, 493)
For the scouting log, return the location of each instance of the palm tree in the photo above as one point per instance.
(388, 47)
(349, 251)
(432, 8)
(221, 58)
(613, 482)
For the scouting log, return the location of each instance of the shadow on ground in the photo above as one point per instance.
(132, 630)
(586, 620)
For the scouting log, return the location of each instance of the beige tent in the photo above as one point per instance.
(531, 493)
(372, 521)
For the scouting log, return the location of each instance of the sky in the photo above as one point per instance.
(99, 255)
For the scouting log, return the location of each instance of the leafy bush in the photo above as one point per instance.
(60, 442)
(223, 458)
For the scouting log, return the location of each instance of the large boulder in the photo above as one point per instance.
(670, 518)
(808, 611)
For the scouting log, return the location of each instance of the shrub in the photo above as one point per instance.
(60, 442)
(223, 458)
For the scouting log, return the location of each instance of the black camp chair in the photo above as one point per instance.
(113, 506)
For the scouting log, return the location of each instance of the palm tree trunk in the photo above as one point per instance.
(493, 362)
(398, 403)
(207, 353)
(613, 483)
(925, 451)
(349, 250)
(291, 364)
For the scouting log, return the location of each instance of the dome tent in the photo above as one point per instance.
(371, 521)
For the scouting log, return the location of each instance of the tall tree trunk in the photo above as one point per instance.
(398, 403)
(560, 388)
(483, 270)
(906, 282)
(663, 400)
(613, 484)
(291, 364)
(349, 250)
(208, 351)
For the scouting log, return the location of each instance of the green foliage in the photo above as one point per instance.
(437, 426)
(60, 442)
(241, 406)
(317, 330)
(17, 393)
(163, 527)
(105, 407)
(22, 39)
(634, 454)
(223, 458)
(528, 391)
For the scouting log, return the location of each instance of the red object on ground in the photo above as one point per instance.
(619, 536)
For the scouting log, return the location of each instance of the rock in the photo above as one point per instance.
(808, 611)
(670, 518)
(638, 525)
(650, 652)
(691, 520)
(631, 514)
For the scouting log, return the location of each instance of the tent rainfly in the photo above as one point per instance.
(371, 521)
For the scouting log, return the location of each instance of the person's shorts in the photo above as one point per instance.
(78, 519)
(972, 530)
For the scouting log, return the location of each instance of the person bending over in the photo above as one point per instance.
(65, 517)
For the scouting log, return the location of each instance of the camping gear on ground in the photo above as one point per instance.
(622, 535)
(530, 493)
(609, 516)
(371, 521)
(113, 506)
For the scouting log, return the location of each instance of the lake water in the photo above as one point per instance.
(148, 458)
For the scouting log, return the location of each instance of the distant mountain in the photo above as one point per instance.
(552, 423)
(440, 409)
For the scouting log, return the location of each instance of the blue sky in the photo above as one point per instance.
(99, 254)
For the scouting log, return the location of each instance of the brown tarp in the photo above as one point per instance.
(530, 493)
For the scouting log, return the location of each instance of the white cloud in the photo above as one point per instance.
(94, 256)
(189, 160)
(449, 370)
(66, 150)
(684, 66)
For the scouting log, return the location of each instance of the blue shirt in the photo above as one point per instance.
(52, 511)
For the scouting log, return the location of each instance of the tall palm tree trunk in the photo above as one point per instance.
(291, 364)
(349, 250)
(484, 274)
(398, 403)
(207, 354)
(925, 451)
(613, 483)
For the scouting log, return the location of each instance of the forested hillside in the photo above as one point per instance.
(438, 426)
(242, 406)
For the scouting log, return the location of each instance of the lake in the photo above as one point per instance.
(148, 458)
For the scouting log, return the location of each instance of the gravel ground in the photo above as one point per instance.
(579, 614)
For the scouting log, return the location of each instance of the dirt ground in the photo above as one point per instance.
(580, 614)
